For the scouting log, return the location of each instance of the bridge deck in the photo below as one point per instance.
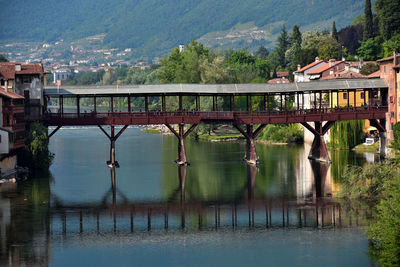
(196, 117)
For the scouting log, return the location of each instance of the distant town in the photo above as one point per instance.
(62, 58)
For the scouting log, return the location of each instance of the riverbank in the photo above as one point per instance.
(222, 133)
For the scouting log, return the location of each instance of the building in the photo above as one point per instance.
(279, 80)
(326, 70)
(61, 75)
(27, 80)
(12, 128)
(390, 71)
(301, 74)
(21, 97)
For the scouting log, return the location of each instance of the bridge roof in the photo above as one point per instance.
(210, 89)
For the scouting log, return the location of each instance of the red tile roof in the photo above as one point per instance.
(309, 66)
(324, 68)
(397, 66)
(387, 58)
(280, 74)
(279, 80)
(11, 95)
(7, 69)
(346, 74)
(376, 74)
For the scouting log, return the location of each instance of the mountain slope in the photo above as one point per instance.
(152, 27)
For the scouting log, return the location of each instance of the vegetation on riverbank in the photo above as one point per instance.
(379, 185)
(36, 155)
(346, 134)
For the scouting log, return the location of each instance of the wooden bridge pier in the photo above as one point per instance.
(380, 125)
(181, 135)
(319, 151)
(113, 137)
(250, 135)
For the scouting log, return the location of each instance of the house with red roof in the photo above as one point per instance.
(21, 95)
(326, 70)
(302, 73)
(389, 69)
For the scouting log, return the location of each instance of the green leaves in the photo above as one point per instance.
(36, 155)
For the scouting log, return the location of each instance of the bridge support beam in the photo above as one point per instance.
(380, 125)
(181, 135)
(113, 137)
(250, 135)
(319, 151)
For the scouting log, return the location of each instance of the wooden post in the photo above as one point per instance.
(129, 104)
(348, 99)
(77, 105)
(337, 99)
(320, 100)
(250, 104)
(355, 98)
(198, 102)
(146, 104)
(164, 105)
(94, 105)
(112, 104)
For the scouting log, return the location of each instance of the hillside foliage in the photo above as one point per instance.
(153, 27)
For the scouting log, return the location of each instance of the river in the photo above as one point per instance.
(149, 212)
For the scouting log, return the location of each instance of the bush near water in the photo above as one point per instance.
(379, 186)
(36, 155)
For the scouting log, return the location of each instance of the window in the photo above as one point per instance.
(391, 100)
(362, 95)
(2, 83)
(344, 95)
(26, 79)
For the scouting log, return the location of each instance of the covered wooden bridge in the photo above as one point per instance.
(248, 107)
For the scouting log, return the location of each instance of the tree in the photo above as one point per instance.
(183, 67)
(262, 53)
(369, 50)
(3, 58)
(369, 68)
(368, 21)
(391, 45)
(389, 17)
(283, 45)
(214, 72)
(296, 36)
(334, 31)
(36, 155)
(350, 36)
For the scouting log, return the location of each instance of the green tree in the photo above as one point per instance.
(368, 21)
(262, 53)
(183, 67)
(110, 77)
(328, 48)
(389, 17)
(3, 58)
(369, 50)
(296, 36)
(393, 44)
(283, 45)
(369, 68)
(334, 32)
(215, 71)
(36, 155)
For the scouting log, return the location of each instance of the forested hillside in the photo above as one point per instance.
(153, 27)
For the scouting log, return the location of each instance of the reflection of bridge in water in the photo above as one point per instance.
(27, 238)
(117, 214)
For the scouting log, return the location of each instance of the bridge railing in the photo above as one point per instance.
(215, 115)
